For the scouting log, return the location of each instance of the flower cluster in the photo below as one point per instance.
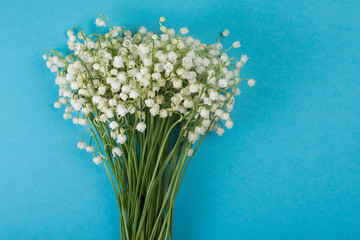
(146, 74)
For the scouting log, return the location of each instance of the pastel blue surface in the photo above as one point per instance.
(289, 169)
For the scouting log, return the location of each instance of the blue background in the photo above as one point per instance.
(289, 169)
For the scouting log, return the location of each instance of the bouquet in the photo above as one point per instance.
(148, 100)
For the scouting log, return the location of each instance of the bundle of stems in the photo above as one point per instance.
(148, 175)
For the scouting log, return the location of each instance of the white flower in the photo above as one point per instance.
(121, 76)
(172, 56)
(81, 145)
(229, 124)
(121, 110)
(193, 137)
(149, 102)
(133, 94)
(57, 105)
(123, 96)
(251, 82)
(132, 110)
(219, 113)
(164, 37)
(223, 83)
(54, 68)
(141, 127)
(225, 116)
(115, 86)
(193, 88)
(177, 83)
(114, 125)
(143, 49)
(220, 131)
(103, 118)
(244, 59)
(236, 44)
(118, 62)
(121, 138)
(113, 134)
(67, 116)
(189, 40)
(168, 67)
(70, 33)
(110, 113)
(97, 160)
(163, 113)
(75, 120)
(102, 90)
(114, 33)
(204, 113)
(224, 57)
(218, 46)
(187, 62)
(200, 130)
(96, 66)
(127, 43)
(112, 102)
(225, 33)
(184, 30)
(86, 111)
(190, 152)
(142, 30)
(90, 149)
(100, 23)
(116, 151)
(188, 103)
(154, 110)
(125, 89)
(206, 123)
(74, 85)
(171, 32)
(162, 58)
(181, 45)
(214, 95)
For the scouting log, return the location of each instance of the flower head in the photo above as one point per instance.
(90, 149)
(97, 160)
(100, 23)
(81, 145)
(57, 105)
(190, 152)
(114, 125)
(225, 33)
(244, 59)
(251, 82)
(184, 30)
(141, 127)
(121, 138)
(121, 82)
(116, 152)
(236, 44)
(229, 124)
